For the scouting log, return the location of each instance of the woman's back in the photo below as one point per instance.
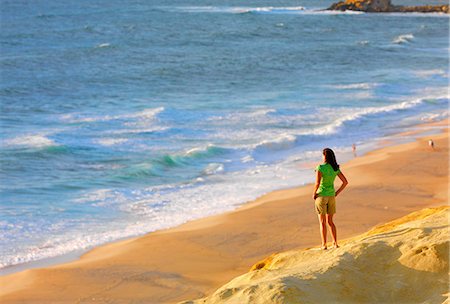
(326, 187)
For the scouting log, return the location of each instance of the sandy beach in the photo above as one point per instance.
(402, 261)
(193, 260)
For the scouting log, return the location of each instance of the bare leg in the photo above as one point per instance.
(323, 230)
(333, 229)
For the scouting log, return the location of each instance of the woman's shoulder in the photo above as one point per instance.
(326, 168)
(320, 166)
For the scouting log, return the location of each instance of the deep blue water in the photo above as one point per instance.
(123, 118)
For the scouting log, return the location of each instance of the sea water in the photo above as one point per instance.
(122, 118)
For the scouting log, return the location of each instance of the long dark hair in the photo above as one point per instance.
(330, 158)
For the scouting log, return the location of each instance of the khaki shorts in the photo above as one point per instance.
(325, 204)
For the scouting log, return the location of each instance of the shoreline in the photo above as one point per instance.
(387, 141)
(229, 233)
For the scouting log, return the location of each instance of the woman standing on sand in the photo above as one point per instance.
(324, 194)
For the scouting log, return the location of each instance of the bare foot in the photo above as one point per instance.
(335, 245)
(324, 247)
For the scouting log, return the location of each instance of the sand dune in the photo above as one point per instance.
(404, 261)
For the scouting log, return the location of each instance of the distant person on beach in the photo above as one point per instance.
(431, 144)
(354, 150)
(324, 194)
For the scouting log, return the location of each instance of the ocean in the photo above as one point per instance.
(122, 118)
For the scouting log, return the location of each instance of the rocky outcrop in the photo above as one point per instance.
(403, 261)
(385, 6)
(422, 9)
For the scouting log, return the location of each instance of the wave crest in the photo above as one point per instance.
(352, 86)
(159, 165)
(141, 115)
(401, 39)
(282, 142)
(103, 45)
(37, 141)
(270, 9)
(239, 9)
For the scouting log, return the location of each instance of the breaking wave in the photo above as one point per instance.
(401, 39)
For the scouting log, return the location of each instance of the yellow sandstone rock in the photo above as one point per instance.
(404, 261)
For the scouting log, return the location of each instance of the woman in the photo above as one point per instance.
(324, 194)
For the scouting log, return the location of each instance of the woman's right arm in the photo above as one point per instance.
(344, 183)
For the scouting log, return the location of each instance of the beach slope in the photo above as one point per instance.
(193, 260)
(403, 261)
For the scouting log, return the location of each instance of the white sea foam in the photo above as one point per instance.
(213, 168)
(243, 117)
(146, 114)
(321, 11)
(430, 117)
(111, 141)
(80, 240)
(138, 130)
(270, 9)
(244, 127)
(359, 95)
(247, 159)
(256, 132)
(353, 86)
(107, 166)
(261, 9)
(196, 150)
(31, 141)
(363, 112)
(103, 45)
(140, 122)
(429, 73)
(403, 38)
(238, 9)
(281, 142)
(100, 196)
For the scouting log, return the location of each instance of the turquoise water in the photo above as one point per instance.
(119, 119)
